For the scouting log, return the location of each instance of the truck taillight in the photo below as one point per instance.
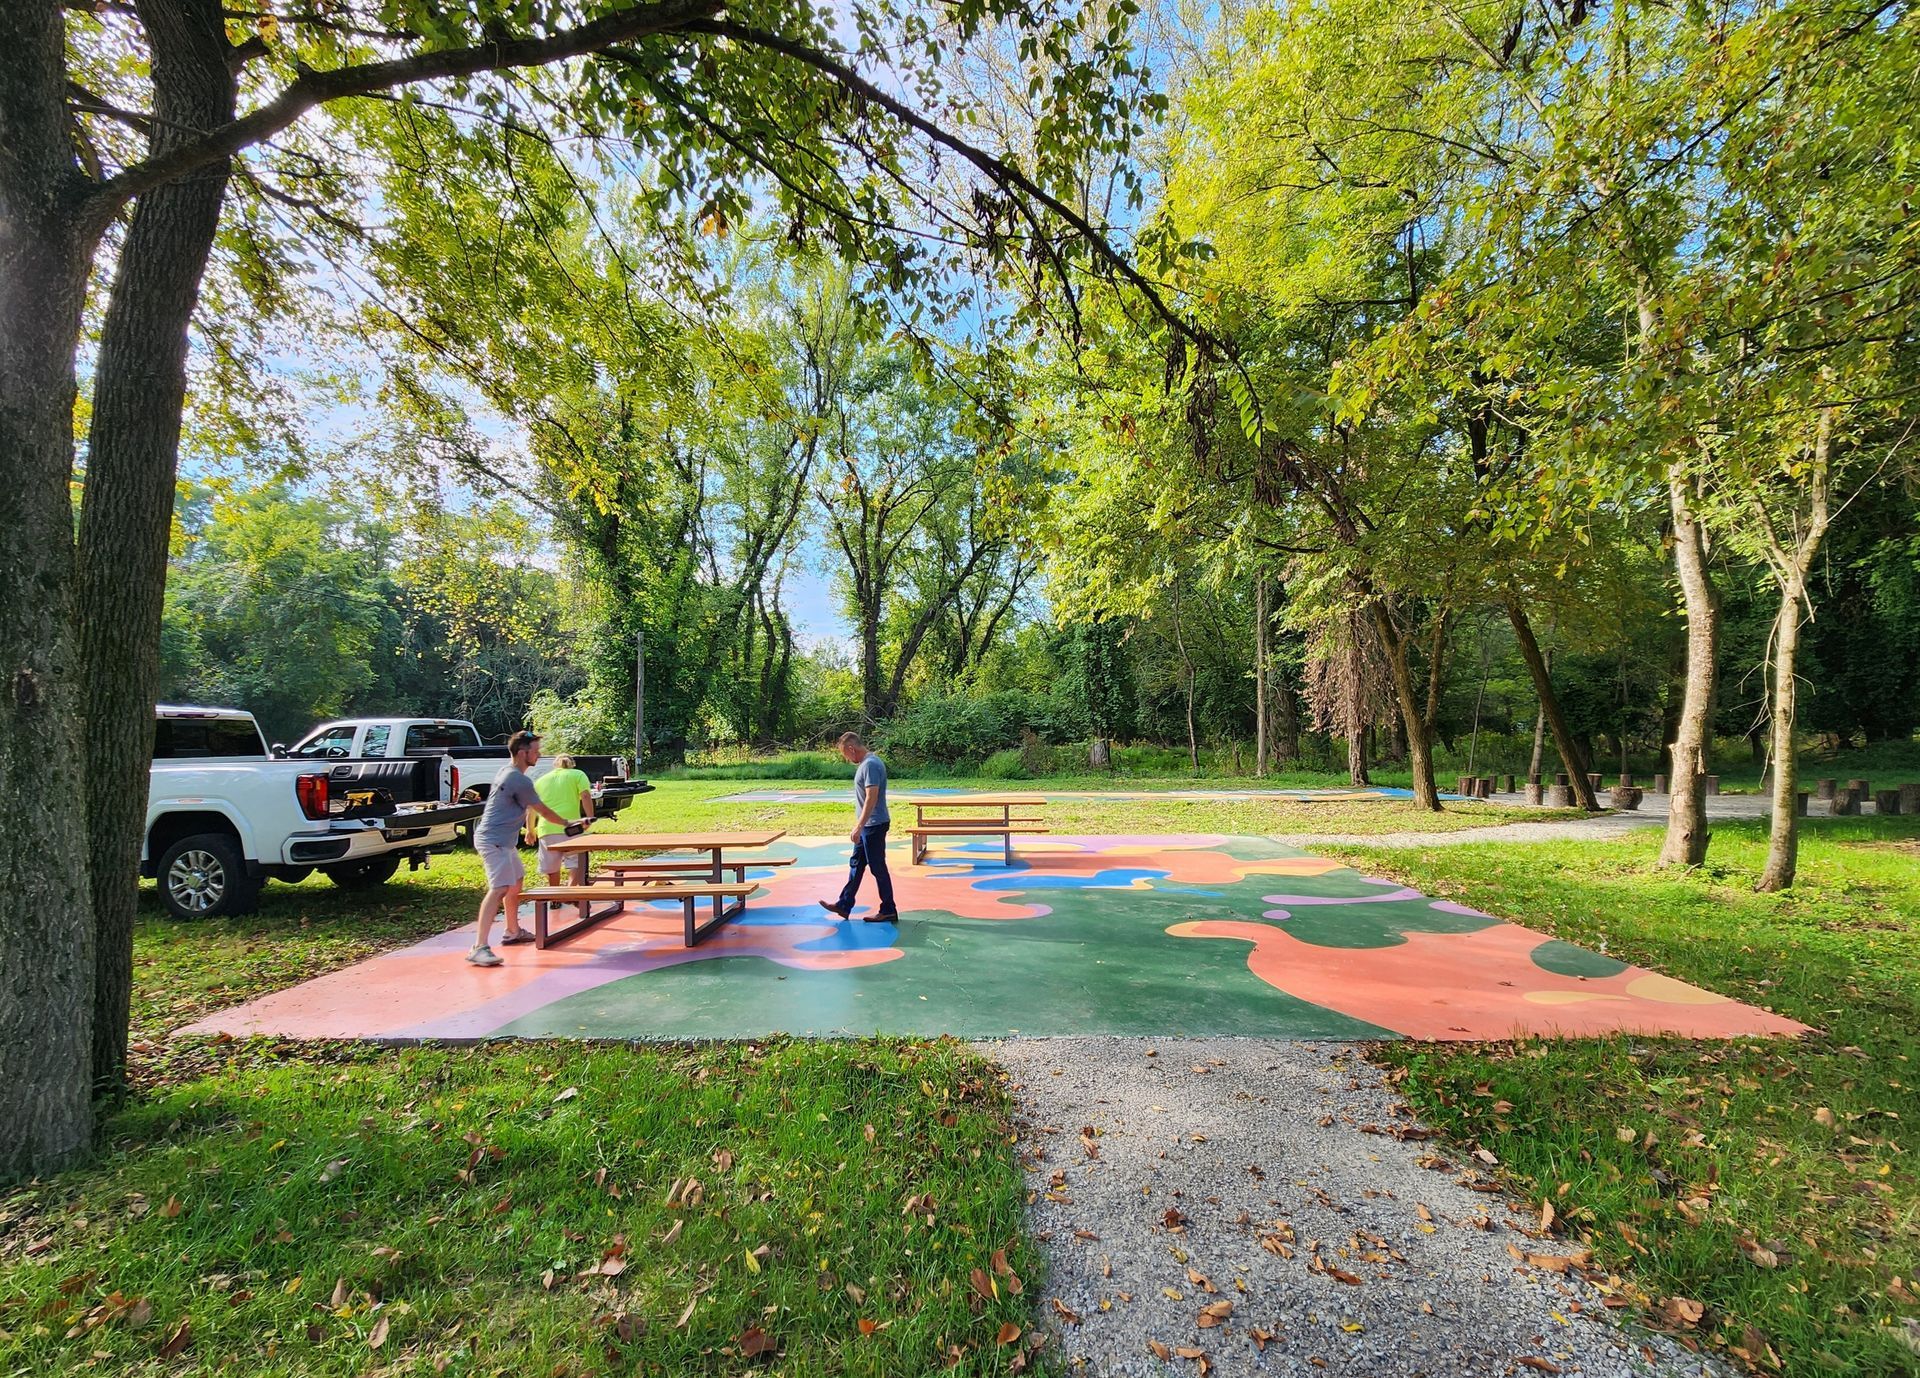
(311, 791)
(456, 781)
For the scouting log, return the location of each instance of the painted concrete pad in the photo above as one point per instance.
(1185, 935)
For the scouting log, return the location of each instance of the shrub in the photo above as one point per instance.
(1006, 765)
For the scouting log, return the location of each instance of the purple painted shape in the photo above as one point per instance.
(1449, 907)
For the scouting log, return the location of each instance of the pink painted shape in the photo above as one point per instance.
(1462, 986)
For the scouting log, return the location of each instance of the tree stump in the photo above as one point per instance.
(1626, 781)
(1562, 779)
(1626, 797)
(1800, 803)
(1560, 796)
(1486, 786)
(1846, 804)
(1506, 784)
(1593, 781)
(1824, 789)
(1659, 784)
(1886, 801)
(1910, 798)
(1535, 795)
(1713, 784)
(1860, 788)
(1463, 786)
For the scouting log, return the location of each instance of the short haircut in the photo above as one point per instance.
(563, 762)
(520, 741)
(851, 739)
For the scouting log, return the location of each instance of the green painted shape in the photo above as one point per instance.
(1100, 963)
(1381, 924)
(1564, 959)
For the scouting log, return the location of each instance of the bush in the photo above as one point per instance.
(955, 727)
(1006, 765)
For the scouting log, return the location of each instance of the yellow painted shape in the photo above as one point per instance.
(1668, 991)
(1568, 997)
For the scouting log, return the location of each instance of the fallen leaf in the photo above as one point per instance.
(182, 1337)
(567, 1094)
(1213, 1314)
(1544, 1365)
(1825, 1118)
(378, 1335)
(722, 1160)
(686, 1315)
(1160, 1351)
(1061, 1310)
(1759, 1254)
(140, 1314)
(339, 1295)
(1546, 1217)
(1009, 1332)
(754, 1341)
(673, 1232)
(753, 1264)
(172, 1208)
(1682, 1311)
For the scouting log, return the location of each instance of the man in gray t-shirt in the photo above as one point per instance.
(869, 835)
(497, 838)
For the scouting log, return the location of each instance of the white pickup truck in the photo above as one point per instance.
(399, 738)
(224, 816)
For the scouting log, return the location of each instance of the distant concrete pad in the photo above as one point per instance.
(1190, 935)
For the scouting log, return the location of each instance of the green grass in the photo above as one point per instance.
(514, 1211)
(1772, 1182)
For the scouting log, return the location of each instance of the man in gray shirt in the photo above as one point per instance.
(869, 835)
(497, 838)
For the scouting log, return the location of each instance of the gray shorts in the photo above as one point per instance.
(573, 863)
(502, 863)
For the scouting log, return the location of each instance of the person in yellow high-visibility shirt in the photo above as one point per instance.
(568, 792)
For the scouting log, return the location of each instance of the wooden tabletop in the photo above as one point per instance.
(664, 842)
(969, 800)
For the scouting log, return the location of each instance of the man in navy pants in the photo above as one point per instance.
(869, 835)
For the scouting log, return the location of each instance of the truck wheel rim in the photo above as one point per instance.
(196, 881)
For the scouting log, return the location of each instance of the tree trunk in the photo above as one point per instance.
(1783, 835)
(1426, 794)
(126, 511)
(1260, 675)
(1563, 742)
(1687, 835)
(1783, 832)
(46, 915)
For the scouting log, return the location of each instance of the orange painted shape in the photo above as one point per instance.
(1482, 985)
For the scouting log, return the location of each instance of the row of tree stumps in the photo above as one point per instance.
(1846, 800)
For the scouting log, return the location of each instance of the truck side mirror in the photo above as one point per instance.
(278, 749)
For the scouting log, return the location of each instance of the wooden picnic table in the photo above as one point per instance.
(727, 903)
(982, 815)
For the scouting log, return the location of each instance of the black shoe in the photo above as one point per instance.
(836, 910)
(892, 916)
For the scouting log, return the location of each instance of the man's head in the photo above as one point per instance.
(852, 748)
(524, 747)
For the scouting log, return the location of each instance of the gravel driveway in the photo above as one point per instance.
(1237, 1206)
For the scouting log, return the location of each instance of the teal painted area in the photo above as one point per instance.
(1101, 962)
(1564, 959)
(1379, 924)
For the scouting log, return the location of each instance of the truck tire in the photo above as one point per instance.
(365, 873)
(205, 877)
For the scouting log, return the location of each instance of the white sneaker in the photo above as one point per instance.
(484, 957)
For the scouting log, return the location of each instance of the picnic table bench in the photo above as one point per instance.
(654, 878)
(985, 815)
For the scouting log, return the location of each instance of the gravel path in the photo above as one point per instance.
(1595, 827)
(1264, 1180)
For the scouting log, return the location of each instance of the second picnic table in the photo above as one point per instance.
(984, 815)
(666, 878)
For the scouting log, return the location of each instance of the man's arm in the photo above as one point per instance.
(586, 804)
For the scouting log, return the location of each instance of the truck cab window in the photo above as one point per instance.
(376, 743)
(424, 738)
(178, 739)
(334, 743)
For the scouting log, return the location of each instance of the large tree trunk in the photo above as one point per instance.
(127, 506)
(1550, 705)
(1687, 836)
(1783, 833)
(1413, 719)
(46, 914)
